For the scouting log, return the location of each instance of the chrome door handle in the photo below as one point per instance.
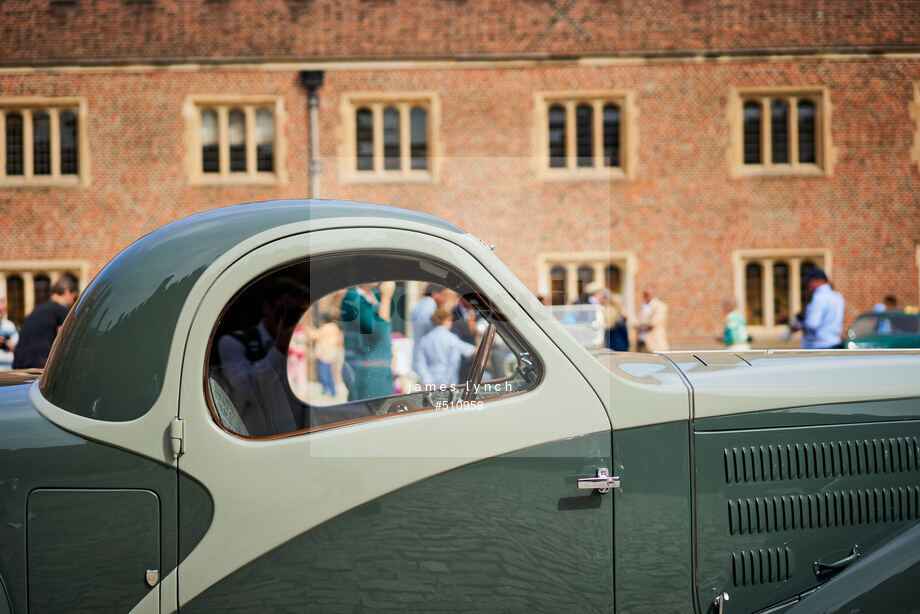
(602, 483)
(719, 603)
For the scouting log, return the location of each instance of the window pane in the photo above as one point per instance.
(611, 136)
(391, 139)
(781, 293)
(807, 136)
(753, 286)
(68, 143)
(14, 162)
(210, 159)
(364, 139)
(41, 288)
(41, 144)
(779, 135)
(418, 127)
(237, 134)
(584, 135)
(556, 137)
(557, 285)
(265, 141)
(751, 134)
(585, 277)
(804, 268)
(15, 299)
(613, 278)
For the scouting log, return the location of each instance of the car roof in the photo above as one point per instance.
(118, 336)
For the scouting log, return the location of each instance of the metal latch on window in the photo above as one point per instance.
(177, 436)
(603, 482)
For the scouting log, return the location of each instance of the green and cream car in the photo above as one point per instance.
(233, 419)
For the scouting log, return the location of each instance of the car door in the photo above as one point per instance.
(441, 499)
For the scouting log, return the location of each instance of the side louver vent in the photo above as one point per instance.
(762, 566)
(828, 509)
(821, 460)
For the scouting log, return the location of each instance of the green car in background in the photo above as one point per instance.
(253, 410)
(885, 329)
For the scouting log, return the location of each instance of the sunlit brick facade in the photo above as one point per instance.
(684, 205)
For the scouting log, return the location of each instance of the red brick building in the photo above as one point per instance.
(706, 147)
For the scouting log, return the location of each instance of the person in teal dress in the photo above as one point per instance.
(366, 311)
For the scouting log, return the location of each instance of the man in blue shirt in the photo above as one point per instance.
(823, 322)
(438, 353)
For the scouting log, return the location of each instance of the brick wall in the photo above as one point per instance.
(90, 31)
(682, 214)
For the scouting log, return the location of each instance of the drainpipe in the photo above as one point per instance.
(313, 80)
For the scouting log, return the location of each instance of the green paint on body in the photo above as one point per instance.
(652, 519)
(510, 534)
(35, 454)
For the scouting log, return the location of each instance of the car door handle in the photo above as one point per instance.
(603, 482)
(823, 569)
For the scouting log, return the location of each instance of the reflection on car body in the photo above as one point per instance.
(543, 477)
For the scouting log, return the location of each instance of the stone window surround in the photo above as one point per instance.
(766, 257)
(53, 106)
(598, 261)
(192, 109)
(30, 269)
(825, 152)
(624, 99)
(377, 101)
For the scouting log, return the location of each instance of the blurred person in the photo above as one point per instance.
(822, 322)
(254, 360)
(327, 341)
(297, 360)
(438, 353)
(889, 303)
(366, 311)
(436, 296)
(653, 323)
(617, 335)
(464, 326)
(9, 335)
(734, 331)
(41, 326)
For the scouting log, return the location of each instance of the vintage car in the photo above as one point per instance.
(885, 329)
(179, 452)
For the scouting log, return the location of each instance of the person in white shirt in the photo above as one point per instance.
(9, 336)
(823, 322)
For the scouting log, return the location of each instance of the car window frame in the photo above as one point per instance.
(496, 317)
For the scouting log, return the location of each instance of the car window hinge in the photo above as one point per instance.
(177, 437)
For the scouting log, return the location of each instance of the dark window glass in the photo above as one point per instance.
(614, 276)
(752, 133)
(265, 141)
(237, 136)
(584, 135)
(611, 136)
(41, 144)
(15, 299)
(364, 139)
(804, 268)
(391, 139)
(41, 288)
(807, 136)
(418, 128)
(557, 285)
(68, 143)
(753, 288)
(585, 277)
(14, 161)
(780, 293)
(210, 157)
(779, 131)
(557, 136)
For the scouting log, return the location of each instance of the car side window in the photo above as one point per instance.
(338, 339)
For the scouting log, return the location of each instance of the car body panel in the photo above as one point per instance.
(504, 534)
(345, 467)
